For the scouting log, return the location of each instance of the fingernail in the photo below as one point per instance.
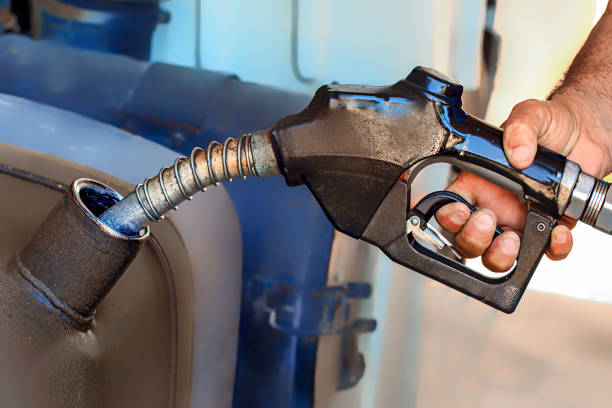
(519, 154)
(509, 244)
(561, 237)
(459, 216)
(485, 222)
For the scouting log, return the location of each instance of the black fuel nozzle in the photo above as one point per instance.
(358, 149)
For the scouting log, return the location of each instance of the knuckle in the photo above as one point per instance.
(464, 185)
(465, 252)
(462, 179)
(476, 236)
(526, 107)
(471, 243)
(464, 175)
(503, 252)
(443, 216)
(453, 217)
(518, 131)
(530, 104)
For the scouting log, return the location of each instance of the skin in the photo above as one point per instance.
(5, 19)
(575, 121)
(5, 16)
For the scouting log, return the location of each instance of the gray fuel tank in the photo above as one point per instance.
(166, 333)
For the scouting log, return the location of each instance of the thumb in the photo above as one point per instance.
(528, 122)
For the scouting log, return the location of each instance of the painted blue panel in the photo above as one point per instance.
(286, 236)
(115, 27)
(91, 84)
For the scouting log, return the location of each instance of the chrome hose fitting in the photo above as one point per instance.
(596, 202)
(250, 155)
(591, 203)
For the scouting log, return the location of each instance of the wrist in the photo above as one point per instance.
(590, 122)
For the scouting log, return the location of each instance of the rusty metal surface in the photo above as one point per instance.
(137, 352)
(73, 259)
(194, 260)
(181, 108)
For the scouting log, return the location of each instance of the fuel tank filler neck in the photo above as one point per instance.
(74, 259)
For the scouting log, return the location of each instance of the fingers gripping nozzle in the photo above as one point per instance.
(250, 155)
(424, 210)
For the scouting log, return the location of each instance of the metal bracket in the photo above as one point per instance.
(309, 311)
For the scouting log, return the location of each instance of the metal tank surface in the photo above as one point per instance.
(90, 318)
(286, 299)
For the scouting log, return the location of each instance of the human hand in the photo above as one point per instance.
(567, 124)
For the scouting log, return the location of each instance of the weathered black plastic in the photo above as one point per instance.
(387, 231)
(352, 145)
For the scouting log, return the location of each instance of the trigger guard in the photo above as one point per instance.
(387, 230)
(431, 203)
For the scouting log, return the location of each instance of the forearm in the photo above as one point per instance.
(591, 70)
(586, 91)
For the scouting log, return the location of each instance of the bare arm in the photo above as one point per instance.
(577, 118)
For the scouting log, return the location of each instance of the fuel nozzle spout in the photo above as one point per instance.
(250, 155)
(591, 203)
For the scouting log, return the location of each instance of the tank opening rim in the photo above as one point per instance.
(93, 198)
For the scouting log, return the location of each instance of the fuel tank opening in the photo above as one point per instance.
(96, 198)
(74, 259)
